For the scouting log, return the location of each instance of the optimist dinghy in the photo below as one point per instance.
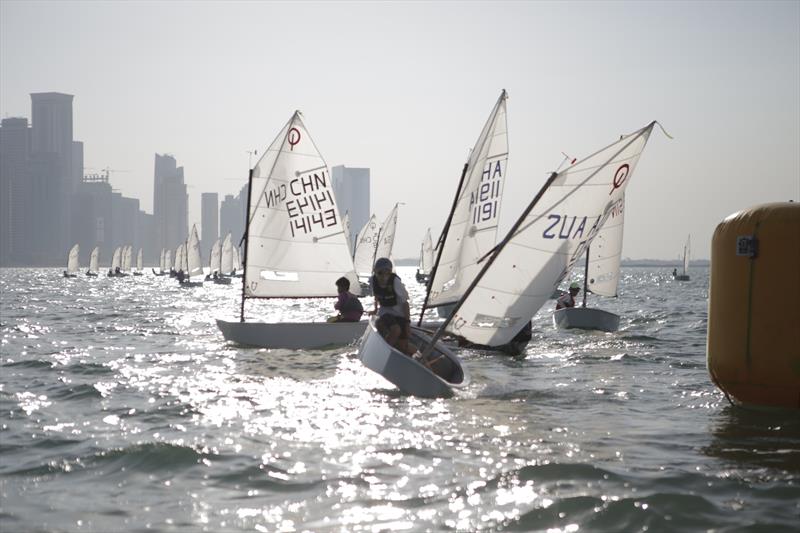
(295, 244)
(438, 376)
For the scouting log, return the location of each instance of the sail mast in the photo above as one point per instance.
(244, 238)
(585, 277)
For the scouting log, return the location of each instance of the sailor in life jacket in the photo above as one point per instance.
(568, 299)
(391, 306)
(347, 303)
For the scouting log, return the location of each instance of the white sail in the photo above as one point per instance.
(295, 240)
(94, 259)
(546, 242)
(473, 228)
(215, 258)
(116, 258)
(194, 262)
(167, 260)
(237, 264)
(365, 247)
(126, 258)
(686, 254)
(72, 260)
(179, 252)
(347, 236)
(426, 254)
(139, 262)
(387, 233)
(605, 254)
(226, 256)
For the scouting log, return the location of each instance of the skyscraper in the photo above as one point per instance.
(170, 203)
(351, 187)
(15, 215)
(209, 221)
(53, 175)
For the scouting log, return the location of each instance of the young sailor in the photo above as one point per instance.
(391, 306)
(568, 299)
(347, 303)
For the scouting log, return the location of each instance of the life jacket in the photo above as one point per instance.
(385, 295)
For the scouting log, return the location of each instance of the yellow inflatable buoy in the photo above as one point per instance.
(753, 348)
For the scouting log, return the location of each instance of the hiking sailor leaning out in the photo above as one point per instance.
(391, 306)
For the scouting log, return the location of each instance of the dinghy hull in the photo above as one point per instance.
(586, 318)
(292, 335)
(408, 374)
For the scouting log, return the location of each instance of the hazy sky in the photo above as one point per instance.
(404, 88)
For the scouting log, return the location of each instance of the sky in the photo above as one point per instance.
(404, 88)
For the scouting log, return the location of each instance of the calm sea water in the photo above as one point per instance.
(123, 409)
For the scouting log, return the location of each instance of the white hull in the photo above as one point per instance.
(410, 375)
(292, 335)
(586, 318)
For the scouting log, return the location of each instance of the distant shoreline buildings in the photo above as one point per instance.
(48, 202)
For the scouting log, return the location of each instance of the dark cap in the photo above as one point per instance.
(383, 263)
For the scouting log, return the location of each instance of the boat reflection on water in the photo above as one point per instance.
(761, 438)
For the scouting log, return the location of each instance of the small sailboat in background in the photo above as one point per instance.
(425, 258)
(116, 264)
(193, 273)
(138, 271)
(386, 236)
(684, 275)
(601, 277)
(293, 252)
(364, 254)
(162, 266)
(215, 273)
(72, 263)
(94, 260)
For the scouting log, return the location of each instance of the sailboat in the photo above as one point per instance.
(601, 277)
(295, 245)
(72, 263)
(180, 261)
(127, 253)
(161, 270)
(364, 254)
(116, 263)
(94, 259)
(469, 233)
(193, 262)
(138, 271)
(227, 266)
(425, 258)
(544, 243)
(386, 235)
(684, 275)
(215, 265)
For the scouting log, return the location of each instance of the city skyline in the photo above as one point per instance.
(409, 104)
